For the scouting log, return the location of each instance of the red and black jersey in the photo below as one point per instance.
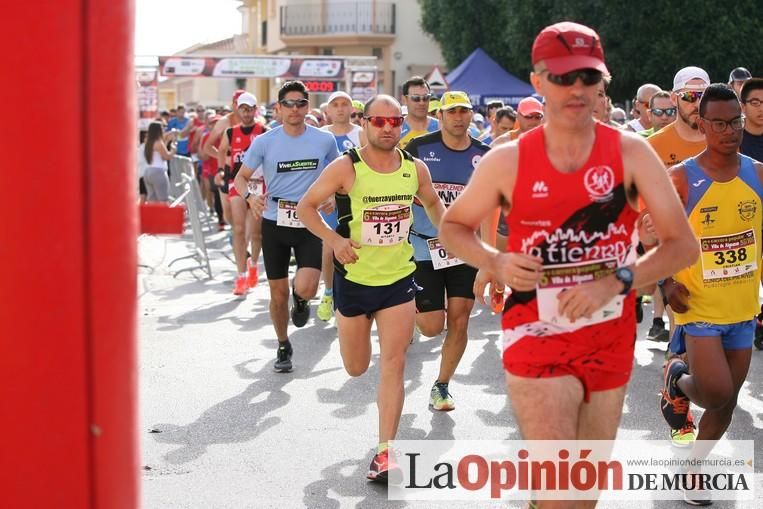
(209, 165)
(239, 139)
(569, 218)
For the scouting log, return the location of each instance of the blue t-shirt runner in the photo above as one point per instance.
(290, 164)
(182, 142)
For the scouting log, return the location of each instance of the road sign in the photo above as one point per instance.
(436, 79)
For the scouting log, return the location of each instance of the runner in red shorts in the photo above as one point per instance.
(569, 190)
(235, 142)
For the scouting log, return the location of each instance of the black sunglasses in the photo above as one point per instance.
(588, 76)
(356, 114)
(291, 103)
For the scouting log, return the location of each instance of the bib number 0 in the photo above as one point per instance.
(287, 214)
(441, 259)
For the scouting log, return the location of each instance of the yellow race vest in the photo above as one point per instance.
(377, 215)
(727, 220)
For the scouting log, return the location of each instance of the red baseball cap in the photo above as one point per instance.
(569, 46)
(529, 106)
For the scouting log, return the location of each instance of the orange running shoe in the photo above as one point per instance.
(251, 275)
(674, 403)
(384, 469)
(241, 286)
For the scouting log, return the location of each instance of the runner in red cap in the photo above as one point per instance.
(529, 116)
(569, 191)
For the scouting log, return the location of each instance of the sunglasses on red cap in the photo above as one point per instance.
(380, 122)
(587, 76)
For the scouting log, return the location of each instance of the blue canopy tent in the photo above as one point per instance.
(484, 80)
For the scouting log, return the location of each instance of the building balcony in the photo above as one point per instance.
(338, 21)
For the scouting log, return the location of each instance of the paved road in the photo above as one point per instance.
(220, 429)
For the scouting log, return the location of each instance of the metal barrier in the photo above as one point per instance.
(175, 172)
(181, 168)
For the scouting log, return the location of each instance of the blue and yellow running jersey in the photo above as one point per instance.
(727, 220)
(451, 170)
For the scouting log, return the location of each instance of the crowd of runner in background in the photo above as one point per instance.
(652, 108)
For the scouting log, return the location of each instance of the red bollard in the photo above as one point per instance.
(68, 377)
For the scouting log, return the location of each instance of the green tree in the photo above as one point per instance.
(643, 43)
(461, 27)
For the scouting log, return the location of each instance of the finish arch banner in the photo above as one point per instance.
(322, 68)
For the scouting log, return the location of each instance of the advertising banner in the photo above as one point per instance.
(148, 96)
(319, 68)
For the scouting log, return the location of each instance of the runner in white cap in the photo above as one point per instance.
(235, 142)
(347, 135)
(210, 146)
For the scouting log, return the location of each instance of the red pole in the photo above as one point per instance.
(68, 387)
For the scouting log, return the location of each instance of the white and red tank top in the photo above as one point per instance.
(579, 223)
(239, 138)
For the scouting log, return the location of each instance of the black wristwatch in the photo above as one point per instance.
(625, 276)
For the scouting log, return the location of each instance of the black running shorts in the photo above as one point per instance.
(353, 299)
(457, 281)
(278, 243)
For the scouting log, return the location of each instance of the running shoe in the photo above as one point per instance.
(440, 398)
(283, 358)
(685, 436)
(326, 308)
(384, 469)
(251, 273)
(673, 403)
(241, 286)
(300, 311)
(658, 332)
